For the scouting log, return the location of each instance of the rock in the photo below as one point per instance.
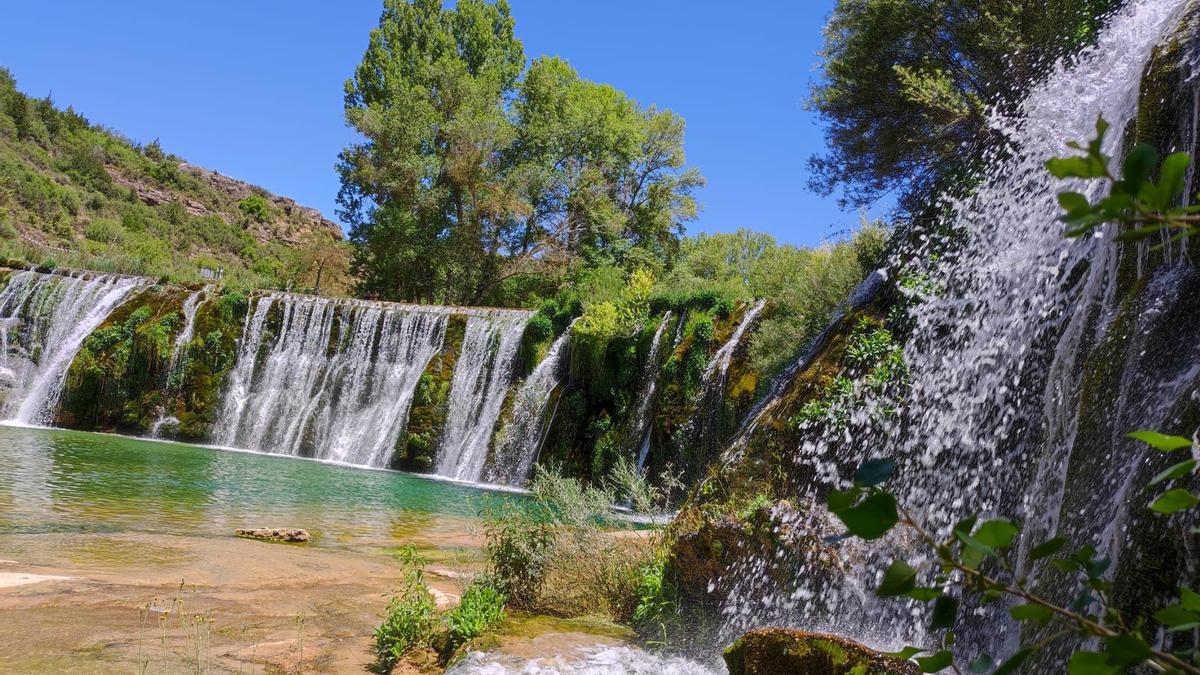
(292, 536)
(767, 651)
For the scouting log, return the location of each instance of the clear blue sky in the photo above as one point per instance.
(254, 89)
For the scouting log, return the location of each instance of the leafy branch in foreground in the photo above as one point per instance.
(1134, 199)
(973, 560)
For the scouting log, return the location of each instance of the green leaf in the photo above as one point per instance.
(874, 471)
(1126, 649)
(1189, 599)
(966, 524)
(982, 664)
(1139, 233)
(924, 594)
(1174, 501)
(1014, 662)
(1074, 202)
(840, 501)
(1161, 441)
(1075, 167)
(1171, 177)
(1178, 471)
(1035, 613)
(1047, 548)
(899, 579)
(1091, 663)
(906, 653)
(872, 518)
(1096, 567)
(998, 534)
(945, 611)
(1139, 164)
(935, 663)
(1177, 618)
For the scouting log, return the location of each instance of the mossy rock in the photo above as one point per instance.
(768, 651)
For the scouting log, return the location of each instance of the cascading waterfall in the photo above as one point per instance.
(992, 415)
(521, 437)
(191, 306)
(642, 425)
(334, 380)
(706, 423)
(481, 378)
(51, 315)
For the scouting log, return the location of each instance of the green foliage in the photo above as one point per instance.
(479, 180)
(77, 193)
(1145, 206)
(256, 208)
(905, 84)
(411, 620)
(657, 601)
(872, 357)
(480, 609)
(554, 555)
(870, 512)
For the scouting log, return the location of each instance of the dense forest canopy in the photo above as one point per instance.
(481, 180)
(905, 86)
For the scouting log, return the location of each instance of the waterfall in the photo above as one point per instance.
(706, 422)
(481, 379)
(334, 380)
(993, 413)
(190, 306)
(521, 438)
(642, 425)
(51, 316)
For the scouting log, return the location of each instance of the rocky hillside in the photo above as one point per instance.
(76, 193)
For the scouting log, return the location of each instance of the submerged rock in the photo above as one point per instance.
(781, 650)
(292, 536)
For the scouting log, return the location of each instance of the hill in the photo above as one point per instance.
(76, 193)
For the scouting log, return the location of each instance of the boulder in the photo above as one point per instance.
(291, 536)
(768, 651)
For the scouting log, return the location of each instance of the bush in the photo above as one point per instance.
(557, 557)
(657, 601)
(412, 618)
(481, 608)
(256, 208)
(519, 549)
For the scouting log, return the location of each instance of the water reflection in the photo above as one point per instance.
(54, 480)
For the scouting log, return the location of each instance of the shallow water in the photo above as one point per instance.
(67, 481)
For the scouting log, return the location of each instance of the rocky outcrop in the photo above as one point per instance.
(768, 651)
(279, 534)
(293, 224)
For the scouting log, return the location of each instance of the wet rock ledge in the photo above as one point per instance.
(768, 651)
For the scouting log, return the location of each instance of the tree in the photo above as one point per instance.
(423, 192)
(474, 184)
(906, 83)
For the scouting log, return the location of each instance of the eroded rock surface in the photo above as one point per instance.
(768, 651)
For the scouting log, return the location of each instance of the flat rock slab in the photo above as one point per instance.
(14, 579)
(282, 534)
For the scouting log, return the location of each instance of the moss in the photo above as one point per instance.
(116, 381)
(418, 446)
(778, 650)
(207, 360)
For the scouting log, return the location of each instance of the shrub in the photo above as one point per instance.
(256, 208)
(556, 556)
(519, 547)
(657, 601)
(481, 608)
(412, 618)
